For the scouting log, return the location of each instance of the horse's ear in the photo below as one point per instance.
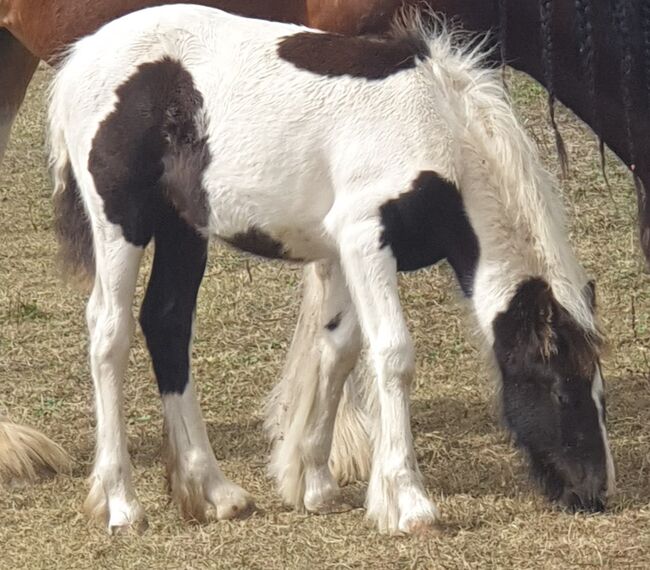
(589, 292)
(542, 336)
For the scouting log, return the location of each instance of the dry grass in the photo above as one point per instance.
(492, 518)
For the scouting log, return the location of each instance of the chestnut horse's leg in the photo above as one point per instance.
(17, 67)
(24, 452)
(167, 316)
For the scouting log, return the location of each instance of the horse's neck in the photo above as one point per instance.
(513, 249)
(506, 251)
(517, 218)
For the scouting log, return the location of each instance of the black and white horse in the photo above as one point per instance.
(372, 156)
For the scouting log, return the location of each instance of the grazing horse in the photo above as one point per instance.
(592, 56)
(564, 44)
(370, 155)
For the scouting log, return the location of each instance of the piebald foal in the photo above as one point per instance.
(374, 155)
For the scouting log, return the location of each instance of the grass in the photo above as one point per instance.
(491, 515)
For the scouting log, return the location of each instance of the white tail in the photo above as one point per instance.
(350, 458)
(25, 453)
(291, 399)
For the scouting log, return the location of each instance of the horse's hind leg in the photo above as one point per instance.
(111, 323)
(167, 318)
(16, 70)
(301, 414)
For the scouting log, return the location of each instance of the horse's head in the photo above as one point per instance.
(552, 395)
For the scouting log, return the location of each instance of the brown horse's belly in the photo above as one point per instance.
(46, 26)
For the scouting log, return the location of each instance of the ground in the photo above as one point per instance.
(491, 514)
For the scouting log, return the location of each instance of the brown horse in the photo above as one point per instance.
(564, 44)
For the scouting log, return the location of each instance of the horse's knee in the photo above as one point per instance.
(162, 321)
(112, 335)
(395, 362)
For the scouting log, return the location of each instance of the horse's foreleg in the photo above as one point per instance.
(196, 481)
(303, 406)
(17, 67)
(396, 500)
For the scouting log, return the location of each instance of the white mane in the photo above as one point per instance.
(498, 154)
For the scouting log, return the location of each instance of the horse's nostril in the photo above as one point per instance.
(577, 504)
(573, 502)
(599, 506)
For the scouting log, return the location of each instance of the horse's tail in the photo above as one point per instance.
(289, 404)
(25, 453)
(71, 222)
(351, 455)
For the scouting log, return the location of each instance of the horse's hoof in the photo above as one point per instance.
(233, 504)
(118, 515)
(137, 527)
(402, 510)
(219, 499)
(331, 507)
(127, 518)
(323, 495)
(422, 527)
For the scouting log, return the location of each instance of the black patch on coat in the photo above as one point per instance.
(169, 303)
(428, 224)
(149, 150)
(333, 55)
(257, 242)
(547, 363)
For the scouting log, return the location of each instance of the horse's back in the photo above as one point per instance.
(211, 97)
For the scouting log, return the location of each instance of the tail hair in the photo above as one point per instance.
(25, 453)
(352, 443)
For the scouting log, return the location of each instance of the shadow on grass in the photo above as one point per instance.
(462, 448)
(460, 445)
